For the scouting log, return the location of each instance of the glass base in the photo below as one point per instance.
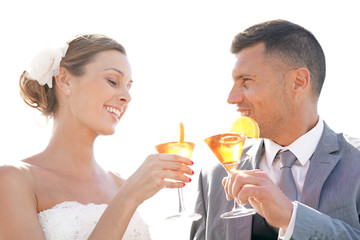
(239, 212)
(185, 216)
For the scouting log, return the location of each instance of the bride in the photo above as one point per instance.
(62, 193)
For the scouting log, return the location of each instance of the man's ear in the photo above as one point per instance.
(63, 81)
(301, 80)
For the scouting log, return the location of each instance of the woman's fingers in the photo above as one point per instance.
(173, 158)
(168, 184)
(170, 170)
(177, 167)
(171, 162)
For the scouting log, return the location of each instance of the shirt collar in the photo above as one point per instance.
(303, 147)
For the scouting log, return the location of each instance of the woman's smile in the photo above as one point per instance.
(115, 112)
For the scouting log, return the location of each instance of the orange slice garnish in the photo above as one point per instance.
(246, 126)
(181, 132)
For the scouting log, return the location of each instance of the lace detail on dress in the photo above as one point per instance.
(75, 221)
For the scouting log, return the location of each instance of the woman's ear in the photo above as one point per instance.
(63, 81)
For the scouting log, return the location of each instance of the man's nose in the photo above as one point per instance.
(235, 96)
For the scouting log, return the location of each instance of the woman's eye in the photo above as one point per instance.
(112, 82)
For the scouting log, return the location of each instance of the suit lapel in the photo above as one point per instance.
(251, 158)
(322, 163)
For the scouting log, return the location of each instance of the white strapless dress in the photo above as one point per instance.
(75, 221)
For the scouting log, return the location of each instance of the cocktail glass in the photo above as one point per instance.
(228, 148)
(184, 149)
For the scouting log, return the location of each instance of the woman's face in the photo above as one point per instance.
(101, 95)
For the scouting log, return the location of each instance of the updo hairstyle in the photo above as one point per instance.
(81, 51)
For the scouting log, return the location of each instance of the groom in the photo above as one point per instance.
(278, 76)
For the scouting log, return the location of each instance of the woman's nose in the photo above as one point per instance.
(124, 96)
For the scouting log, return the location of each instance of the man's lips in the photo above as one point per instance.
(244, 112)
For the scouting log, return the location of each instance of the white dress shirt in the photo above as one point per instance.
(303, 148)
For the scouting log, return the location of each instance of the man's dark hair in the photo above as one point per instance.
(288, 43)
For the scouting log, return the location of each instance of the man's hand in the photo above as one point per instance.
(256, 187)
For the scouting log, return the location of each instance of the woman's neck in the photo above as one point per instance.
(71, 149)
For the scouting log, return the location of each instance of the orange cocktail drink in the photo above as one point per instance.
(184, 149)
(228, 148)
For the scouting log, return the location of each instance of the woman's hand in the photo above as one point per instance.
(158, 171)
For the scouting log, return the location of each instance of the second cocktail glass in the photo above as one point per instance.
(228, 148)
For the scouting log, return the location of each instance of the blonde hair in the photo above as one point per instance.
(81, 51)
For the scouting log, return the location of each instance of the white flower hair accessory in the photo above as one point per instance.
(46, 64)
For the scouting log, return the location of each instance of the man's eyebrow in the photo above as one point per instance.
(243, 76)
(116, 70)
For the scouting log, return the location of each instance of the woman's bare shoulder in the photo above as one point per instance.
(17, 185)
(15, 173)
(17, 169)
(22, 167)
(17, 194)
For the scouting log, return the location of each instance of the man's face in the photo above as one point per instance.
(260, 91)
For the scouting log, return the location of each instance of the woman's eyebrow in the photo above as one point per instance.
(115, 69)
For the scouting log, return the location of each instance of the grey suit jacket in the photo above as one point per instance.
(330, 200)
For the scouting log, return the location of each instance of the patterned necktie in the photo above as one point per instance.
(286, 180)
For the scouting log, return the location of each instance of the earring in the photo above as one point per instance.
(68, 91)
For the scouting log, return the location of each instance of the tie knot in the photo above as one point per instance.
(287, 159)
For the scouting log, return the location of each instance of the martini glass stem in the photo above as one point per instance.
(238, 210)
(181, 200)
(236, 206)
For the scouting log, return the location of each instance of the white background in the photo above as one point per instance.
(179, 52)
